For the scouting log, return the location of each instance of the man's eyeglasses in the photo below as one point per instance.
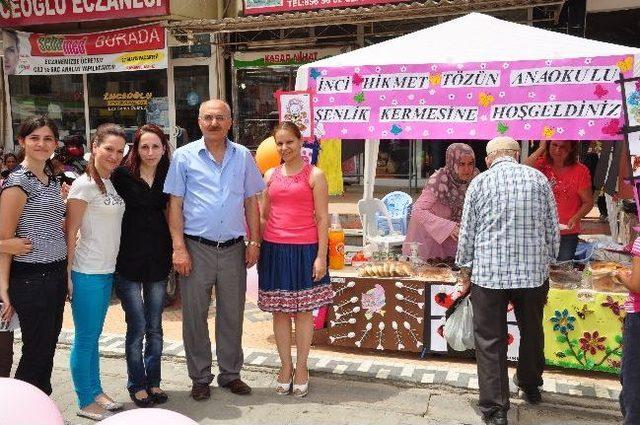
(210, 118)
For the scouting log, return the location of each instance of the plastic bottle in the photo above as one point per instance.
(336, 244)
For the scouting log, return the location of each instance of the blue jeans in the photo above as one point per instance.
(91, 294)
(630, 373)
(142, 304)
(568, 245)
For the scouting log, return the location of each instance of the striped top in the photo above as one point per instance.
(41, 218)
(632, 304)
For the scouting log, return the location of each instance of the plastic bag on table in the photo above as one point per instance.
(458, 329)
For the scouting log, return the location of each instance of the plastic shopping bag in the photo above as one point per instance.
(458, 329)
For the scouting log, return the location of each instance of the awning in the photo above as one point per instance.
(388, 12)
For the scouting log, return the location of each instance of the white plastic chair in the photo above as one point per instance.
(370, 233)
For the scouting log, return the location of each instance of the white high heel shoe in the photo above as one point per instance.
(284, 388)
(301, 390)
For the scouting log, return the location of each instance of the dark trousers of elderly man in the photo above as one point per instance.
(491, 338)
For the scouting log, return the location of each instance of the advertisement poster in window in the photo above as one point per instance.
(128, 49)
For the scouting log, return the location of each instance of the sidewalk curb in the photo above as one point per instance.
(557, 393)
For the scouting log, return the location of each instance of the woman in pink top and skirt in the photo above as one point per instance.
(435, 216)
(292, 269)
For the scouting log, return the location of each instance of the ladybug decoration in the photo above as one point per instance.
(443, 299)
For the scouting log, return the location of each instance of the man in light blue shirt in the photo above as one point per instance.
(214, 184)
(508, 236)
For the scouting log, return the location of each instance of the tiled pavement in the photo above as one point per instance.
(577, 389)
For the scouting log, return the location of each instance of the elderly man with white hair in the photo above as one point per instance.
(508, 236)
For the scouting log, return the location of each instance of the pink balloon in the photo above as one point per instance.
(24, 404)
(151, 416)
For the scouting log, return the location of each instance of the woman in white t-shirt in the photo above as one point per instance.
(95, 209)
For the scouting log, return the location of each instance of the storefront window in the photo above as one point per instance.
(256, 111)
(130, 99)
(191, 89)
(60, 97)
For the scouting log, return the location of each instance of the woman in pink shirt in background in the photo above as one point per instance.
(292, 270)
(435, 216)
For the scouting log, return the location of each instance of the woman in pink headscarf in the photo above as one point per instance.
(436, 214)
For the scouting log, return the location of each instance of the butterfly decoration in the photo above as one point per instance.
(502, 128)
(583, 312)
(615, 306)
(626, 65)
(600, 91)
(612, 127)
(485, 99)
(396, 129)
(634, 99)
(435, 79)
(315, 73)
(638, 85)
(548, 132)
(357, 79)
(359, 98)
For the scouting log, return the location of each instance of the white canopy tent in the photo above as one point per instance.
(472, 38)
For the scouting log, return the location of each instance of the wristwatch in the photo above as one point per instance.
(254, 243)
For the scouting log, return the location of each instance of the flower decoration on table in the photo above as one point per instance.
(582, 346)
(563, 321)
(592, 343)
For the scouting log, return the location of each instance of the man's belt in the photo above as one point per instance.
(217, 244)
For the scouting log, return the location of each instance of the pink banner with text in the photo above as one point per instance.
(568, 99)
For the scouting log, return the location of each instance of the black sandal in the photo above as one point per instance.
(158, 398)
(141, 402)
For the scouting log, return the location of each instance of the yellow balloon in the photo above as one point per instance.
(267, 154)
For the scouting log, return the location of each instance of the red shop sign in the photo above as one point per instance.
(147, 37)
(255, 7)
(19, 13)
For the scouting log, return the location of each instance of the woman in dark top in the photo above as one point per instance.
(144, 259)
(34, 283)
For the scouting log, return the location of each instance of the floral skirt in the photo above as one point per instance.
(286, 285)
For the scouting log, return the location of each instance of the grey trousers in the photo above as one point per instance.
(490, 331)
(224, 268)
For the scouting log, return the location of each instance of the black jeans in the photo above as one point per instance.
(39, 297)
(490, 330)
(630, 373)
(6, 353)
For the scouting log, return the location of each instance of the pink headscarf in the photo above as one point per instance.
(445, 183)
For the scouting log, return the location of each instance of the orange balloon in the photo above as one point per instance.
(267, 154)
